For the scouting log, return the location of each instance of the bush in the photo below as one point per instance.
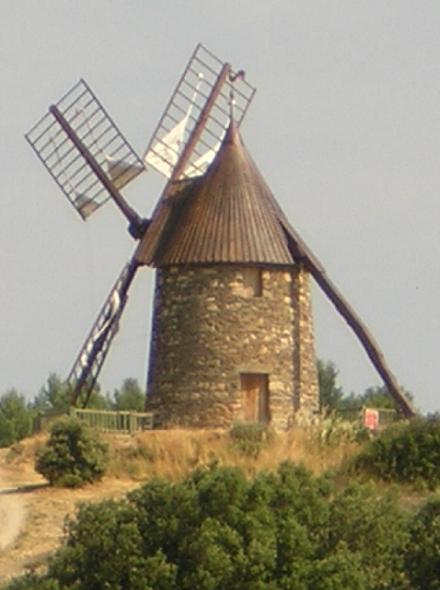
(73, 455)
(423, 555)
(33, 582)
(219, 531)
(249, 437)
(405, 453)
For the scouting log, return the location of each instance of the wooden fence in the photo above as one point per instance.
(108, 421)
(128, 422)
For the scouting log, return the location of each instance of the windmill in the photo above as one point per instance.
(196, 146)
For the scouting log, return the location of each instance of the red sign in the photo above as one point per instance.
(371, 419)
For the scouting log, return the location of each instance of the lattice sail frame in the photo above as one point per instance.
(91, 357)
(183, 111)
(95, 129)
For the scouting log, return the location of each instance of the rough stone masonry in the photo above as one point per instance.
(209, 328)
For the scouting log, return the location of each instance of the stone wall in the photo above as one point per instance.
(306, 385)
(209, 327)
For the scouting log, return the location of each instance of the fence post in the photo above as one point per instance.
(131, 423)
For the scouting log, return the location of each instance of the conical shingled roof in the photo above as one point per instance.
(227, 216)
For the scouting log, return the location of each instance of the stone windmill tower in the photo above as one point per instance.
(232, 335)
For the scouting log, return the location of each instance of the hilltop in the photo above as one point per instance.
(33, 514)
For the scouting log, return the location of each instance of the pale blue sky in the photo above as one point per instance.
(345, 127)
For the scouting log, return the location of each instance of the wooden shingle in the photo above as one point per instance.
(228, 216)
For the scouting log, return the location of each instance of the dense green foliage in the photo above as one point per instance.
(18, 417)
(33, 582)
(55, 397)
(129, 397)
(423, 555)
(15, 418)
(330, 394)
(406, 452)
(73, 454)
(218, 531)
(373, 397)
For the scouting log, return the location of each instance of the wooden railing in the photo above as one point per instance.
(108, 421)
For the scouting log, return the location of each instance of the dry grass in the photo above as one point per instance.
(173, 454)
(32, 513)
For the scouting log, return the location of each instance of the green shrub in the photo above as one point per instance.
(423, 554)
(33, 582)
(217, 530)
(249, 437)
(405, 453)
(374, 530)
(73, 455)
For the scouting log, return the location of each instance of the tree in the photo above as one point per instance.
(55, 396)
(97, 400)
(15, 418)
(373, 397)
(129, 397)
(330, 394)
(377, 397)
(333, 398)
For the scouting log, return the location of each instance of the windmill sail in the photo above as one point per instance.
(90, 359)
(164, 154)
(205, 130)
(85, 206)
(90, 160)
(121, 172)
(75, 132)
(195, 120)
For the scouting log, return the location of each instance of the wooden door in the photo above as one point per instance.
(255, 397)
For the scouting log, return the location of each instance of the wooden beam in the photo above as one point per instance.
(136, 223)
(200, 125)
(303, 255)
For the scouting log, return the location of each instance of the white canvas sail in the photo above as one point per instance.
(165, 153)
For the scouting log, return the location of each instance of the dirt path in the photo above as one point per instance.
(32, 514)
